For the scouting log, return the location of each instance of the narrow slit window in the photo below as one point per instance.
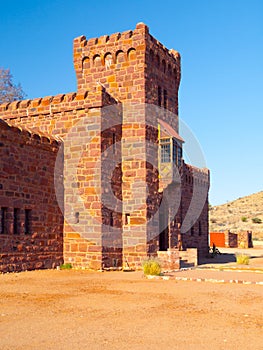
(76, 218)
(111, 219)
(164, 99)
(3, 220)
(28, 218)
(16, 221)
(127, 219)
(159, 96)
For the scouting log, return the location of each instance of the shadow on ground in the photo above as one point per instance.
(223, 258)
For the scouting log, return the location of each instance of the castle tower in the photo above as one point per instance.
(139, 72)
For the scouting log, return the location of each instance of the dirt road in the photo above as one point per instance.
(122, 310)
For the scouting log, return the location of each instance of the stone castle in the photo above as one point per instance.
(97, 178)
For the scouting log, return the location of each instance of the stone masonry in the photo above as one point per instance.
(31, 230)
(115, 169)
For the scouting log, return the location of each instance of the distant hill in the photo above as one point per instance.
(243, 214)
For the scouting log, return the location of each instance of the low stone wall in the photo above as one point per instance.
(30, 252)
(231, 240)
(188, 257)
(245, 240)
(174, 259)
(169, 259)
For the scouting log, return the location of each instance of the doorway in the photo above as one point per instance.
(163, 227)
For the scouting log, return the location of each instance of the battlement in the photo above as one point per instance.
(120, 39)
(122, 62)
(49, 105)
(37, 136)
(141, 28)
(194, 175)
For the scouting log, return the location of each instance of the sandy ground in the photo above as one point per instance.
(123, 310)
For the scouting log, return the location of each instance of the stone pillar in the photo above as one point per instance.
(134, 185)
(82, 193)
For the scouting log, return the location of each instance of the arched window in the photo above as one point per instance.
(96, 61)
(131, 54)
(120, 58)
(108, 60)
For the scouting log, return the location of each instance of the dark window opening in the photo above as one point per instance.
(179, 156)
(127, 219)
(16, 221)
(164, 235)
(28, 216)
(200, 228)
(175, 152)
(3, 220)
(159, 96)
(192, 231)
(165, 99)
(76, 218)
(111, 219)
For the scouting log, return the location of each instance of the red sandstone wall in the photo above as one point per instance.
(195, 185)
(27, 183)
(162, 76)
(78, 120)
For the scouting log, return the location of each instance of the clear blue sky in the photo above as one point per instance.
(221, 44)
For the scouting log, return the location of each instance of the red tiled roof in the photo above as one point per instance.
(170, 130)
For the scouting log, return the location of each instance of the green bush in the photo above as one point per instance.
(151, 267)
(244, 219)
(256, 220)
(242, 259)
(66, 266)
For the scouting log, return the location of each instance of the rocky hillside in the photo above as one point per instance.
(243, 214)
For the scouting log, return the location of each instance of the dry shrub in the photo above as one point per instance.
(242, 259)
(151, 267)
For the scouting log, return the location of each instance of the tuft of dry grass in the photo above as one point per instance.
(242, 259)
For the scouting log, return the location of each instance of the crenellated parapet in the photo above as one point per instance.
(195, 176)
(23, 134)
(122, 62)
(103, 59)
(109, 50)
(167, 61)
(50, 105)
